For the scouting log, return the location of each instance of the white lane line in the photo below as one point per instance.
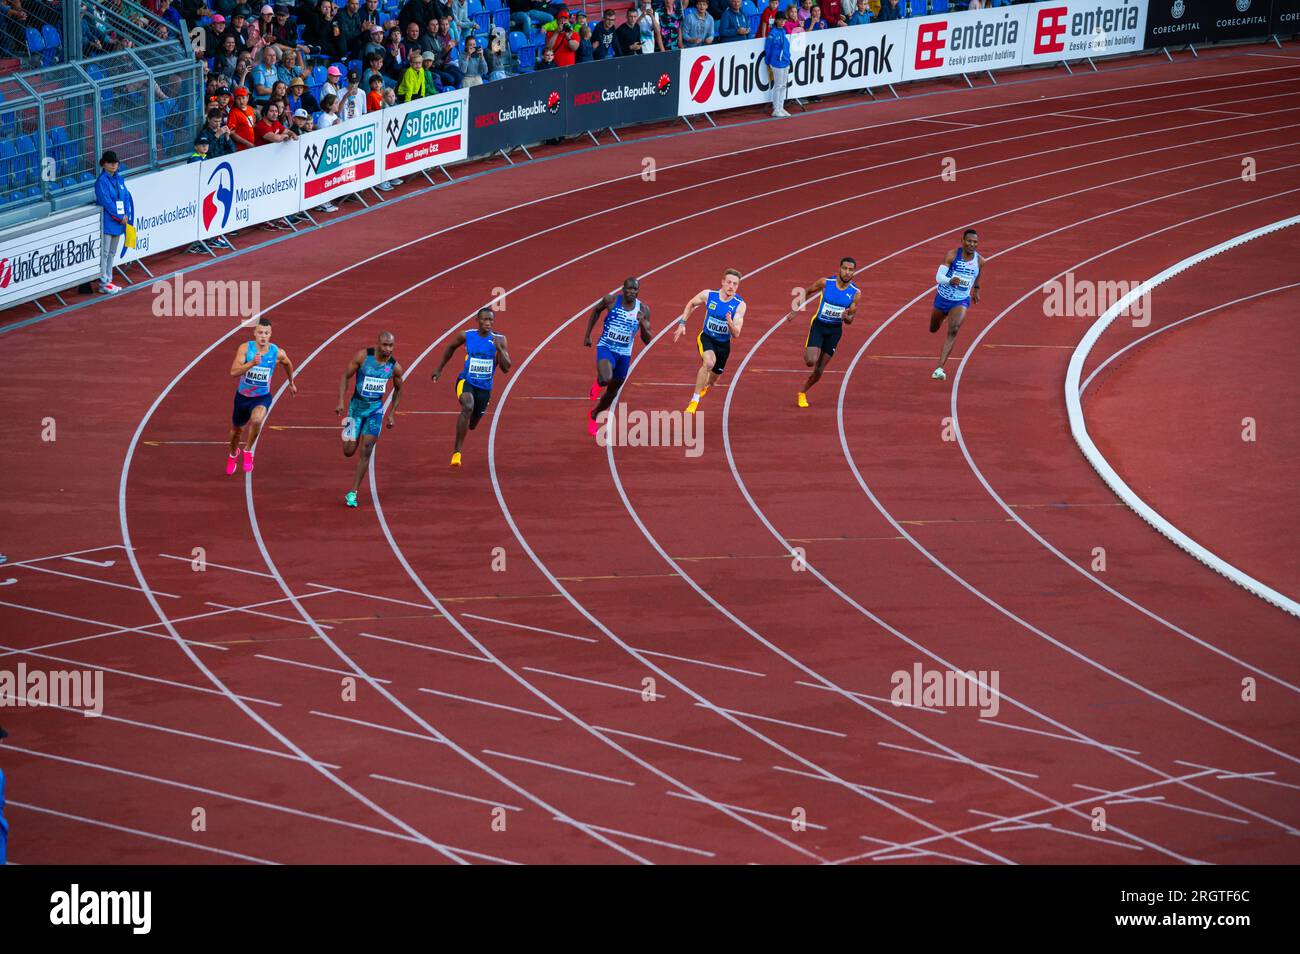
(423, 737)
(258, 803)
(1002, 826)
(306, 665)
(142, 630)
(1226, 112)
(699, 662)
(132, 675)
(784, 819)
(1158, 801)
(652, 841)
(948, 122)
(535, 629)
(867, 695)
(447, 792)
(559, 768)
(432, 649)
(102, 564)
(963, 761)
(60, 556)
(866, 788)
(494, 705)
(1225, 774)
(922, 851)
(1056, 735)
(253, 612)
(376, 596)
(91, 579)
(142, 834)
(762, 718)
(675, 745)
(593, 682)
(219, 566)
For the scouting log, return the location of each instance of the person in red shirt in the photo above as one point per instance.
(563, 40)
(240, 121)
(765, 18)
(270, 129)
(832, 12)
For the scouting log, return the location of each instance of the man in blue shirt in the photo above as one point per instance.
(776, 50)
(734, 25)
(113, 198)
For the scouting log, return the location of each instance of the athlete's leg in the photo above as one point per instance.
(235, 434)
(254, 427)
(363, 462)
(462, 421)
(604, 372)
(612, 387)
(955, 318)
(810, 355)
(936, 319)
(818, 366)
(705, 377)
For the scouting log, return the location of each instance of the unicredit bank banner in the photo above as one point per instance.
(726, 75)
(1077, 28)
(951, 43)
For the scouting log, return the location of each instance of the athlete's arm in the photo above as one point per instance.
(975, 289)
(503, 357)
(814, 289)
(941, 276)
(645, 323)
(240, 365)
(595, 313)
(852, 308)
(699, 299)
(455, 343)
(397, 394)
(738, 322)
(352, 369)
(288, 369)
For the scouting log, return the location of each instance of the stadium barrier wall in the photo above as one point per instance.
(181, 205)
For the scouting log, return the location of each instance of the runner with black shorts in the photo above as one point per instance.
(837, 303)
(484, 353)
(724, 316)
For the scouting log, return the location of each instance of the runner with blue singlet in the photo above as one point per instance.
(255, 363)
(373, 368)
(627, 315)
(724, 316)
(837, 304)
(959, 287)
(485, 351)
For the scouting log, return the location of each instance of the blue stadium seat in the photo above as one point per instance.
(53, 44)
(8, 161)
(493, 5)
(940, 6)
(916, 8)
(27, 169)
(517, 41)
(753, 24)
(35, 44)
(748, 8)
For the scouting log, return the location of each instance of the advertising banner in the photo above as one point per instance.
(1176, 23)
(424, 133)
(40, 258)
(1238, 19)
(248, 188)
(621, 91)
(166, 211)
(339, 160)
(1285, 20)
(827, 61)
(952, 43)
(1073, 29)
(520, 110)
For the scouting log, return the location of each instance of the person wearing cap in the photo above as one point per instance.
(222, 101)
(374, 43)
(261, 29)
(113, 197)
(200, 151)
(352, 101)
(239, 26)
(241, 120)
(333, 82)
(561, 39)
(414, 84)
(300, 98)
(301, 123)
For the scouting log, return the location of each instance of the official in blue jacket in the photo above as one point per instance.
(776, 50)
(113, 197)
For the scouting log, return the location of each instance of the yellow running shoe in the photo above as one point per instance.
(690, 408)
(704, 392)
(455, 459)
(803, 399)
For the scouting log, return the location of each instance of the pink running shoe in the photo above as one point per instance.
(248, 462)
(232, 461)
(592, 427)
(595, 390)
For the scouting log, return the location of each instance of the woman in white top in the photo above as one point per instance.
(329, 111)
(652, 40)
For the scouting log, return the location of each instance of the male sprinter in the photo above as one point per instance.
(724, 316)
(484, 353)
(254, 364)
(959, 287)
(374, 368)
(614, 348)
(836, 306)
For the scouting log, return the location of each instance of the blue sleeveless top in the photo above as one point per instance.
(480, 359)
(256, 381)
(834, 301)
(621, 326)
(372, 378)
(716, 314)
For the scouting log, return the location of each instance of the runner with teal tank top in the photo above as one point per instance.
(627, 317)
(958, 280)
(724, 316)
(485, 351)
(255, 363)
(837, 303)
(373, 368)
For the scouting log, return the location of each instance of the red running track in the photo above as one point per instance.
(650, 678)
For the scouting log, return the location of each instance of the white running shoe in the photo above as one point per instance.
(329, 207)
(939, 375)
(349, 429)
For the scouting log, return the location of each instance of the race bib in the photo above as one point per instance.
(619, 337)
(373, 387)
(832, 312)
(715, 327)
(481, 367)
(258, 375)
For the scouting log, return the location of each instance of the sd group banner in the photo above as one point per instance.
(727, 75)
(951, 43)
(248, 188)
(339, 160)
(424, 133)
(516, 111)
(1176, 23)
(620, 92)
(166, 211)
(1285, 20)
(1073, 29)
(45, 257)
(1238, 19)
